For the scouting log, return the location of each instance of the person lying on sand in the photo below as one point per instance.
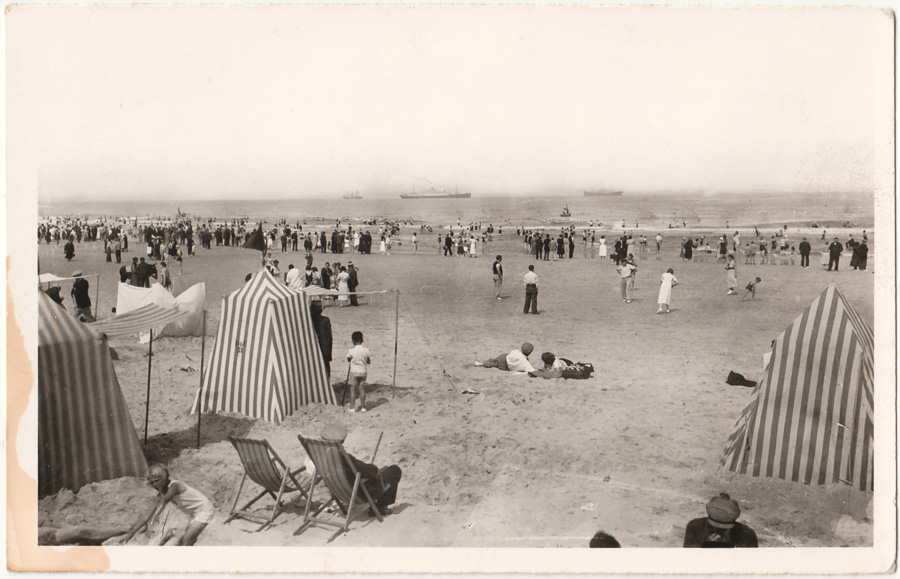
(188, 499)
(553, 367)
(515, 361)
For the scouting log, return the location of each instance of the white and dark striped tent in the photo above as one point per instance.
(810, 417)
(85, 432)
(266, 361)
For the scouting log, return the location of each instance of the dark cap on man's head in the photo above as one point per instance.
(722, 511)
(527, 348)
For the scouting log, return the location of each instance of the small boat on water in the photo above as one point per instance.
(432, 194)
(352, 195)
(566, 213)
(602, 193)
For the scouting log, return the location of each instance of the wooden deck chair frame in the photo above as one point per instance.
(344, 494)
(263, 466)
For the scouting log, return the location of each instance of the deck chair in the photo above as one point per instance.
(263, 466)
(330, 458)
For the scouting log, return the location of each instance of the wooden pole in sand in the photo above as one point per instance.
(149, 368)
(97, 298)
(396, 340)
(200, 391)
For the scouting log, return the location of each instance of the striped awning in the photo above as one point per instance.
(810, 419)
(85, 432)
(149, 317)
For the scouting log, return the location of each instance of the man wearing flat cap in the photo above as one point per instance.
(515, 361)
(381, 483)
(720, 529)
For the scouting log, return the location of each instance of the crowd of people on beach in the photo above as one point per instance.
(165, 240)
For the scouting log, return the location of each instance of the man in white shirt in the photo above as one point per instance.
(517, 360)
(531, 291)
(627, 270)
(294, 279)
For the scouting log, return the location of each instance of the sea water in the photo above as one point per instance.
(644, 211)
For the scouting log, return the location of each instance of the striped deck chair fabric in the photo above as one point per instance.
(263, 466)
(350, 495)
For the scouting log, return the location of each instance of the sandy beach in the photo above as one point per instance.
(489, 458)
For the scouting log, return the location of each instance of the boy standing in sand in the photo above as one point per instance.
(358, 356)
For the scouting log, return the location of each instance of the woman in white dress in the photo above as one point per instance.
(602, 251)
(667, 282)
(381, 247)
(343, 286)
(473, 246)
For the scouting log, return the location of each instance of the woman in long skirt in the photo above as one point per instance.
(667, 282)
(343, 286)
(602, 252)
(732, 274)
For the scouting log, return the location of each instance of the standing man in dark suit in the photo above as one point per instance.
(804, 253)
(352, 283)
(834, 254)
(322, 326)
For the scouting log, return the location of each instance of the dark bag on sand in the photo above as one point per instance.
(735, 379)
(577, 370)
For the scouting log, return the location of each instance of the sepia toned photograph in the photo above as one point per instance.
(446, 288)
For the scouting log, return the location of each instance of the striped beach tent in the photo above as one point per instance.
(85, 433)
(266, 361)
(810, 417)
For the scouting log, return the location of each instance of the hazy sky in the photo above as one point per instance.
(243, 102)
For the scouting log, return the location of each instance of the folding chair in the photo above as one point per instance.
(330, 458)
(263, 466)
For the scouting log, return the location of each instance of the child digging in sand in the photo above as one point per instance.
(189, 500)
(751, 289)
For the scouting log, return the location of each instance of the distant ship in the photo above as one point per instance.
(352, 195)
(435, 195)
(602, 193)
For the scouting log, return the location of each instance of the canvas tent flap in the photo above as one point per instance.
(266, 360)
(191, 301)
(143, 319)
(85, 432)
(50, 278)
(810, 418)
